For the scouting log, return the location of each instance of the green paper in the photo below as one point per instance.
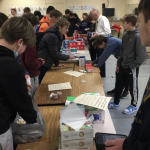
(71, 99)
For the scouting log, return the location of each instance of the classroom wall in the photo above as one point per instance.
(132, 1)
(119, 5)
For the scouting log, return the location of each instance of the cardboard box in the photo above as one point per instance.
(98, 114)
(89, 68)
(59, 147)
(67, 133)
(74, 144)
(82, 61)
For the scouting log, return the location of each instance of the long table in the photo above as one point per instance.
(84, 52)
(89, 82)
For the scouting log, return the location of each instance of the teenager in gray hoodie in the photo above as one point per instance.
(131, 57)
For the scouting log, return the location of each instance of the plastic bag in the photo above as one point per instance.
(27, 133)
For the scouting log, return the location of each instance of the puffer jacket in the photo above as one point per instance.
(49, 47)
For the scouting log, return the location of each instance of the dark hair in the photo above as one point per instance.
(144, 7)
(67, 11)
(89, 18)
(55, 13)
(130, 18)
(37, 13)
(50, 8)
(17, 28)
(71, 14)
(14, 9)
(31, 18)
(85, 14)
(27, 10)
(99, 40)
(3, 18)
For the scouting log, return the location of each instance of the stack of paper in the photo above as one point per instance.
(74, 73)
(60, 86)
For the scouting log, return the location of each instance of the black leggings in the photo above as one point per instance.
(43, 71)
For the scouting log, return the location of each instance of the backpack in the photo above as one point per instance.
(39, 37)
(38, 27)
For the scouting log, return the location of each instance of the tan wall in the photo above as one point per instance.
(132, 1)
(119, 5)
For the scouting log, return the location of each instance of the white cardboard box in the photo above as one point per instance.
(80, 134)
(59, 148)
(99, 116)
(75, 144)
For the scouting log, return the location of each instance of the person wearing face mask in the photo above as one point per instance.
(38, 15)
(51, 18)
(16, 34)
(50, 45)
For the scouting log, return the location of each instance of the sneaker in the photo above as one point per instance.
(124, 94)
(130, 109)
(113, 105)
(111, 92)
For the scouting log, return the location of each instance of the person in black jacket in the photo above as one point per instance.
(50, 45)
(139, 136)
(73, 20)
(16, 34)
(91, 29)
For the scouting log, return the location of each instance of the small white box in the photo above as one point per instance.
(99, 116)
(75, 144)
(80, 134)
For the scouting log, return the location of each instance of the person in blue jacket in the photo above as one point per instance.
(112, 46)
(84, 24)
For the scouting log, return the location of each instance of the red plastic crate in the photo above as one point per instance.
(80, 47)
(73, 44)
(80, 35)
(76, 31)
(80, 43)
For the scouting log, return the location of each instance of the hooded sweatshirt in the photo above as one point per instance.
(132, 52)
(30, 61)
(14, 95)
(49, 47)
(45, 24)
(113, 46)
(139, 136)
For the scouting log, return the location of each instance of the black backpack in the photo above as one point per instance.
(39, 37)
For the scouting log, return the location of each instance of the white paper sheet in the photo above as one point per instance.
(73, 117)
(74, 73)
(60, 86)
(100, 102)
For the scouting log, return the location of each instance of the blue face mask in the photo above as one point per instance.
(15, 53)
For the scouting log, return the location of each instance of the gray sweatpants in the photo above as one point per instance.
(6, 140)
(34, 83)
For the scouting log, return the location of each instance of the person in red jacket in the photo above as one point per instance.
(29, 59)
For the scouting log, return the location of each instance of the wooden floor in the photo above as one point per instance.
(89, 82)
